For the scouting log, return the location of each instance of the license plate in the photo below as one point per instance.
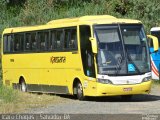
(127, 89)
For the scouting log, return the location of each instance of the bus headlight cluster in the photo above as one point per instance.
(104, 81)
(146, 79)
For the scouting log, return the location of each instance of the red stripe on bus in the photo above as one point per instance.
(154, 69)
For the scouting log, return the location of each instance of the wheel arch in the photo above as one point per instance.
(21, 79)
(22, 84)
(75, 81)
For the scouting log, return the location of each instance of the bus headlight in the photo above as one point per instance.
(146, 79)
(104, 81)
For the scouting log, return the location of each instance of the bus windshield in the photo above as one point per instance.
(122, 50)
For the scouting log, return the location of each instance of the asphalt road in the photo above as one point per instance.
(140, 104)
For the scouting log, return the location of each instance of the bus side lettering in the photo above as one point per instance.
(57, 59)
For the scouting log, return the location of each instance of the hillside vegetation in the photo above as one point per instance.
(32, 12)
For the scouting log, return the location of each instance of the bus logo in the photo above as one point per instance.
(58, 59)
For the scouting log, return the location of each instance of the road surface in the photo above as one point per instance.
(140, 104)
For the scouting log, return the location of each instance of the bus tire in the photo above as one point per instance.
(80, 94)
(126, 97)
(23, 86)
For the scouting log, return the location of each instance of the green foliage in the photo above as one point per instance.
(146, 11)
(7, 94)
(34, 12)
(3, 2)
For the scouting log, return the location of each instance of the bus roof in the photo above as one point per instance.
(155, 29)
(95, 19)
(83, 18)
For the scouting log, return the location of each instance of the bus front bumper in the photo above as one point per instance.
(112, 90)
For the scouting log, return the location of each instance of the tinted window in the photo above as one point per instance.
(44, 40)
(70, 41)
(8, 43)
(18, 42)
(46, 37)
(73, 40)
(58, 42)
(5, 44)
(41, 37)
(51, 40)
(67, 38)
(33, 41)
(28, 42)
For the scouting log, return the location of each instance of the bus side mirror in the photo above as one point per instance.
(155, 42)
(94, 45)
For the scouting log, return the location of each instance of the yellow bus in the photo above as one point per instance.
(97, 55)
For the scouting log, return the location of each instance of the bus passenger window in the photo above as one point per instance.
(21, 42)
(16, 43)
(27, 42)
(51, 40)
(70, 41)
(5, 44)
(73, 39)
(34, 45)
(8, 44)
(67, 38)
(33, 41)
(58, 44)
(58, 40)
(42, 45)
(41, 38)
(46, 39)
(17, 46)
(27, 46)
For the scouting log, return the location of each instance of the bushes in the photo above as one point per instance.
(145, 10)
(32, 12)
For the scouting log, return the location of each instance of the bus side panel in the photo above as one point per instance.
(43, 71)
(155, 64)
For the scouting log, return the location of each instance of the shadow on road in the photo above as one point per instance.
(135, 98)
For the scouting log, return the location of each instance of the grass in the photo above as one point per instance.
(13, 101)
(7, 94)
(156, 83)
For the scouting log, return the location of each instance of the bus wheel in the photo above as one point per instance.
(23, 86)
(126, 97)
(80, 95)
